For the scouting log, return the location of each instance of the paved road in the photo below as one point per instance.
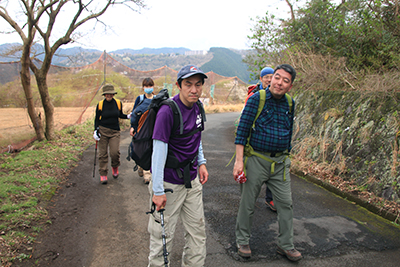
(328, 230)
(106, 225)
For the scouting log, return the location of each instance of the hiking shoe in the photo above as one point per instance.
(271, 205)
(291, 254)
(244, 251)
(115, 172)
(103, 179)
(140, 172)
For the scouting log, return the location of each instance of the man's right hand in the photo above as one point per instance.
(160, 201)
(131, 131)
(239, 166)
(96, 135)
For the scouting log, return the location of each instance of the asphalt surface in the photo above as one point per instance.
(106, 225)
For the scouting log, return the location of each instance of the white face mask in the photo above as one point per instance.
(148, 90)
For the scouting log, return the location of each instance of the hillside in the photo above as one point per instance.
(222, 61)
(227, 63)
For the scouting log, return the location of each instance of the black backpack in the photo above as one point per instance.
(141, 147)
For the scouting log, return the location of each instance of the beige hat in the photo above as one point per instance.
(108, 89)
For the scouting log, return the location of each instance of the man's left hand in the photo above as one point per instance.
(203, 174)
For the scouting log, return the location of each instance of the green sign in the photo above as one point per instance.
(169, 87)
(212, 91)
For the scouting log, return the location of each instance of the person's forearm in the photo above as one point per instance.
(200, 157)
(239, 152)
(157, 166)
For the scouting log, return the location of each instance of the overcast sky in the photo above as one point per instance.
(196, 25)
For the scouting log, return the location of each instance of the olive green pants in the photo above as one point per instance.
(258, 172)
(109, 138)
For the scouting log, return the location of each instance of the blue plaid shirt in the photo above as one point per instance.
(273, 128)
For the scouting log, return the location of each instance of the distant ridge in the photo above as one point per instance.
(222, 61)
(151, 51)
(78, 50)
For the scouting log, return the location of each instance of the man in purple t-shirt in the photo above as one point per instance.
(186, 201)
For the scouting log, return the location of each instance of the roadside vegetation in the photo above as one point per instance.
(28, 180)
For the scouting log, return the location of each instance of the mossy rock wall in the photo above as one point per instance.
(355, 134)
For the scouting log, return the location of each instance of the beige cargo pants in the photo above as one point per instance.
(186, 204)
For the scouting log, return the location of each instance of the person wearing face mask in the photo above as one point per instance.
(141, 105)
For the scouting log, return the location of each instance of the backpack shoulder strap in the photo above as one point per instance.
(202, 111)
(178, 121)
(290, 102)
(101, 107)
(118, 103)
(261, 104)
(101, 104)
(177, 115)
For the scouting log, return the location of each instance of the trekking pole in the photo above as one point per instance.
(164, 239)
(95, 155)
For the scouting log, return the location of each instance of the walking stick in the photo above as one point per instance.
(164, 239)
(95, 155)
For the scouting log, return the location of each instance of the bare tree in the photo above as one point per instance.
(41, 16)
(291, 10)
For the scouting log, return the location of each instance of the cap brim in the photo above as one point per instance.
(193, 73)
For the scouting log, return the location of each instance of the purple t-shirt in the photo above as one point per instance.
(183, 148)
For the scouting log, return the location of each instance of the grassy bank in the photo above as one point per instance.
(28, 180)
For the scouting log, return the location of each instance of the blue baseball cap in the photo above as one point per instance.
(266, 70)
(188, 71)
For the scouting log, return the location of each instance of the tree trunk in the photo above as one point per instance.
(41, 79)
(26, 85)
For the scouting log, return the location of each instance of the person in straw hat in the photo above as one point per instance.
(107, 131)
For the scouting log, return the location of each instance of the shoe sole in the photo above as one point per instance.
(244, 255)
(282, 252)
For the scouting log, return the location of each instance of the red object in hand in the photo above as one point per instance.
(240, 178)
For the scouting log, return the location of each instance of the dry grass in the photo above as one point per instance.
(223, 108)
(16, 126)
(318, 72)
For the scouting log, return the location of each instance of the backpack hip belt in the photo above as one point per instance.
(249, 151)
